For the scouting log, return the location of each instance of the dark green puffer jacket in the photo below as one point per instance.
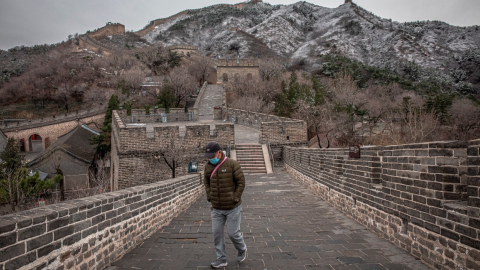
(224, 189)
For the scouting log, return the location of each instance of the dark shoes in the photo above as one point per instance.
(218, 264)
(242, 255)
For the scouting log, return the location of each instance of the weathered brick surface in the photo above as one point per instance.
(134, 149)
(420, 196)
(91, 232)
(273, 129)
(233, 69)
(52, 127)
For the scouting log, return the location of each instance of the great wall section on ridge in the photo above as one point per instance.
(424, 198)
(151, 26)
(87, 40)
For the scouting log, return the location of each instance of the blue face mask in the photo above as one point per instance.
(214, 160)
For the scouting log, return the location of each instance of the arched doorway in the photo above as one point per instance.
(225, 77)
(35, 143)
(22, 145)
(249, 76)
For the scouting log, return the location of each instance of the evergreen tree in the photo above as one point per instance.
(286, 103)
(10, 157)
(104, 140)
(16, 184)
(166, 99)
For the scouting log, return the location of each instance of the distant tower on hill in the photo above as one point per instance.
(256, 1)
(348, 1)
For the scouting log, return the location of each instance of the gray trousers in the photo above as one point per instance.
(232, 218)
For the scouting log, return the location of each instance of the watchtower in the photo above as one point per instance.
(240, 69)
(348, 1)
(256, 1)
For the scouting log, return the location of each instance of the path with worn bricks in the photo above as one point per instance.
(285, 226)
(212, 97)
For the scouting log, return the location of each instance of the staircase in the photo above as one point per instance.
(250, 157)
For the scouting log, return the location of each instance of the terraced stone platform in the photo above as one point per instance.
(285, 226)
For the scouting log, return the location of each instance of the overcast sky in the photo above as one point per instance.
(30, 22)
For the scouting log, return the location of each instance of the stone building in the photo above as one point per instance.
(73, 154)
(241, 69)
(140, 141)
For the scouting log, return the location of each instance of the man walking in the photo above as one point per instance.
(224, 183)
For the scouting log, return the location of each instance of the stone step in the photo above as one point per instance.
(250, 152)
(255, 172)
(252, 162)
(250, 158)
(242, 146)
(249, 155)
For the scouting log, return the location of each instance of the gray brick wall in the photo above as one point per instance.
(134, 148)
(92, 232)
(422, 197)
(272, 128)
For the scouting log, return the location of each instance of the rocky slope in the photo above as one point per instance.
(303, 30)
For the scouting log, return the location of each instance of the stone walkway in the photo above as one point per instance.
(212, 97)
(285, 226)
(244, 134)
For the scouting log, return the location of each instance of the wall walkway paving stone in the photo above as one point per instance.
(285, 226)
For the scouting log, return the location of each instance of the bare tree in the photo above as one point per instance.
(465, 117)
(320, 121)
(409, 122)
(201, 68)
(175, 155)
(181, 83)
(271, 68)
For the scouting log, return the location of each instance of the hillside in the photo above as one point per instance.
(303, 31)
(430, 57)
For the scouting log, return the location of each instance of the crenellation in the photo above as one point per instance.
(137, 147)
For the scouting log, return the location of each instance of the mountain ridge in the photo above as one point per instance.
(308, 29)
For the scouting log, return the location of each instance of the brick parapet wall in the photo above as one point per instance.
(237, 63)
(92, 232)
(87, 42)
(111, 29)
(473, 176)
(136, 149)
(196, 106)
(273, 129)
(56, 119)
(413, 195)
